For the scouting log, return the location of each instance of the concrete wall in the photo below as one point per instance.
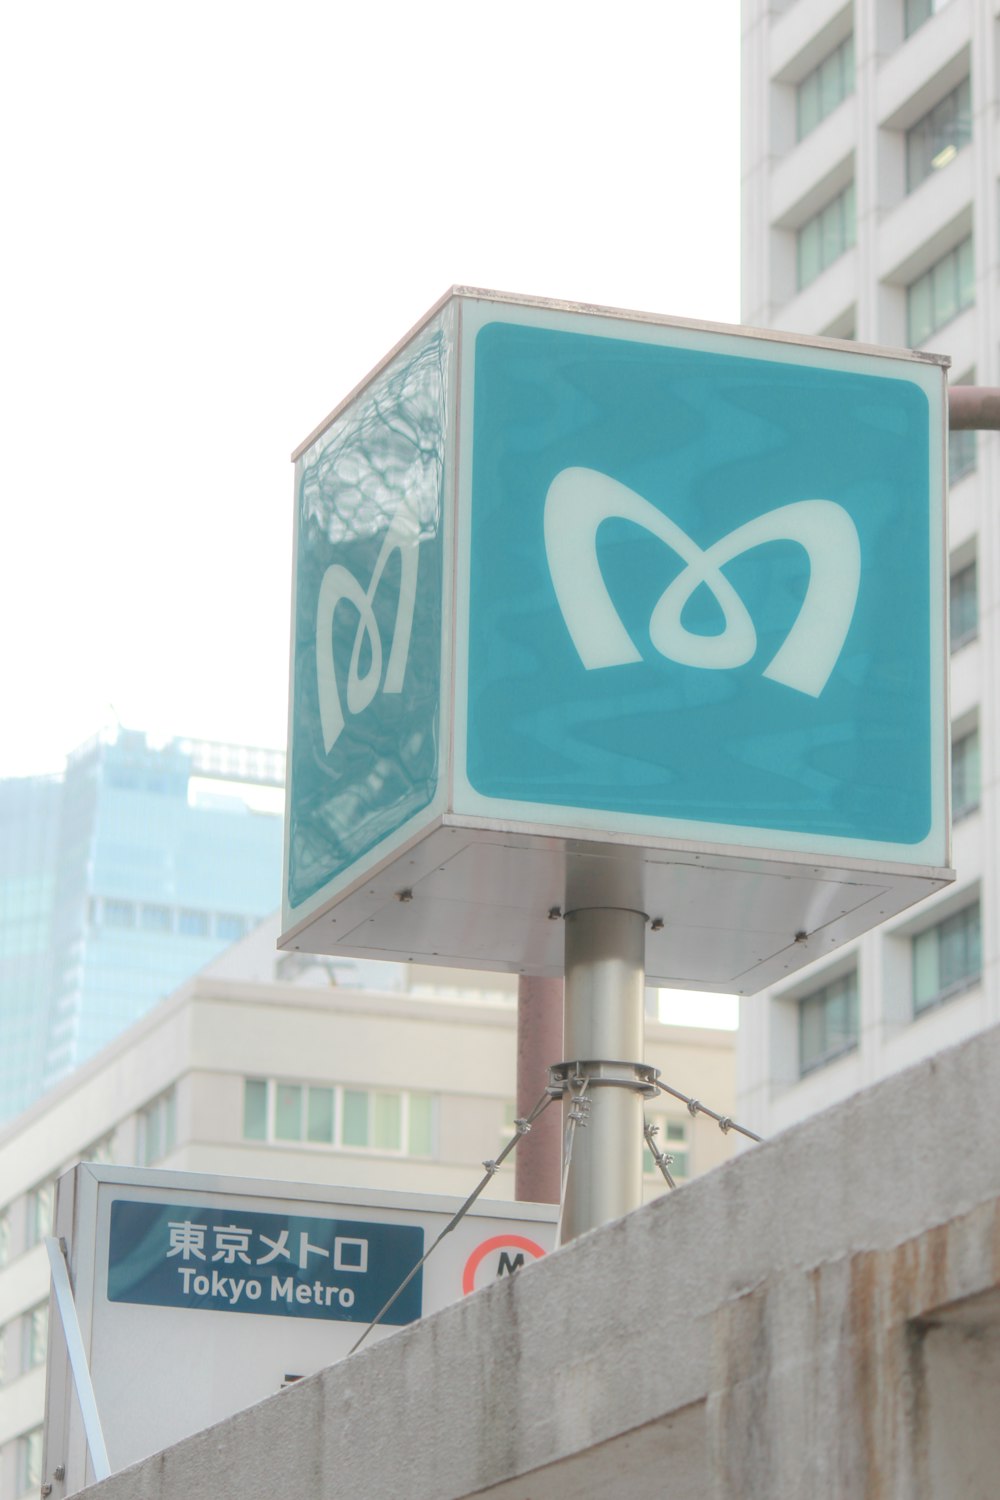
(818, 1318)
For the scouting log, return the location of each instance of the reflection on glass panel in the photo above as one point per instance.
(936, 139)
(822, 89)
(946, 958)
(916, 12)
(965, 774)
(36, 1333)
(828, 1022)
(420, 1140)
(41, 1206)
(963, 608)
(319, 1126)
(119, 913)
(156, 918)
(29, 1462)
(288, 1112)
(354, 1123)
(963, 454)
(255, 1109)
(825, 237)
(388, 1122)
(934, 298)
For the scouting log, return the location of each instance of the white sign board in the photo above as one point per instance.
(199, 1295)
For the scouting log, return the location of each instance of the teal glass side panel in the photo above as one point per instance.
(699, 586)
(366, 665)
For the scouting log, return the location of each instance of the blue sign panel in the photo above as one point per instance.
(366, 661)
(700, 585)
(281, 1265)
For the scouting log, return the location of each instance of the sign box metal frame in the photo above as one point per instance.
(161, 1372)
(448, 800)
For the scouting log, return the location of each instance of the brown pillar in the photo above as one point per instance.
(537, 1158)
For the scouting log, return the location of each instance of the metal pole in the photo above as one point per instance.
(973, 406)
(539, 1039)
(603, 1021)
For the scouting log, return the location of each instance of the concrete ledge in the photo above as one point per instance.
(820, 1318)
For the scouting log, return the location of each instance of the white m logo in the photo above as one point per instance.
(580, 499)
(340, 584)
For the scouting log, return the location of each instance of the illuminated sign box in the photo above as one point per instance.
(601, 608)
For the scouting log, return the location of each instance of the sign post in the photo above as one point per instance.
(629, 619)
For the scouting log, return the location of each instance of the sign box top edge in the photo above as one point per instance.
(343, 1195)
(457, 294)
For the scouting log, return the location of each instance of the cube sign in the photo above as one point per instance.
(588, 591)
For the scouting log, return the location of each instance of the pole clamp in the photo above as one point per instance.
(567, 1077)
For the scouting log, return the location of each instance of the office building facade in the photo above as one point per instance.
(871, 190)
(118, 880)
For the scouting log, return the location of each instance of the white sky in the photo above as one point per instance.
(218, 217)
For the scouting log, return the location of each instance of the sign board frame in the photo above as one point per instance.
(163, 1368)
(453, 873)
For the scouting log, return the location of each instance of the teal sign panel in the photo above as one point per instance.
(699, 586)
(277, 1265)
(367, 626)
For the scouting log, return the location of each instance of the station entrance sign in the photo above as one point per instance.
(197, 1296)
(601, 608)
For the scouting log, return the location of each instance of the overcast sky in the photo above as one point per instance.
(218, 217)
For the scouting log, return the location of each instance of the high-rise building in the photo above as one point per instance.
(870, 210)
(118, 880)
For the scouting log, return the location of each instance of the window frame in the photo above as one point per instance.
(839, 60)
(973, 797)
(957, 268)
(969, 632)
(829, 246)
(823, 997)
(966, 980)
(409, 1101)
(927, 124)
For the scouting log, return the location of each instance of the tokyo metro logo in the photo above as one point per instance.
(340, 585)
(579, 500)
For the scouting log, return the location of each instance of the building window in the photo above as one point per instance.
(35, 1337)
(946, 958)
(940, 294)
(29, 1462)
(41, 1208)
(157, 1128)
(963, 606)
(156, 919)
(100, 1151)
(3, 1354)
(825, 87)
(828, 1022)
(916, 12)
(119, 913)
(965, 774)
(192, 924)
(4, 1237)
(824, 238)
(937, 138)
(321, 1114)
(962, 454)
(672, 1140)
(229, 928)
